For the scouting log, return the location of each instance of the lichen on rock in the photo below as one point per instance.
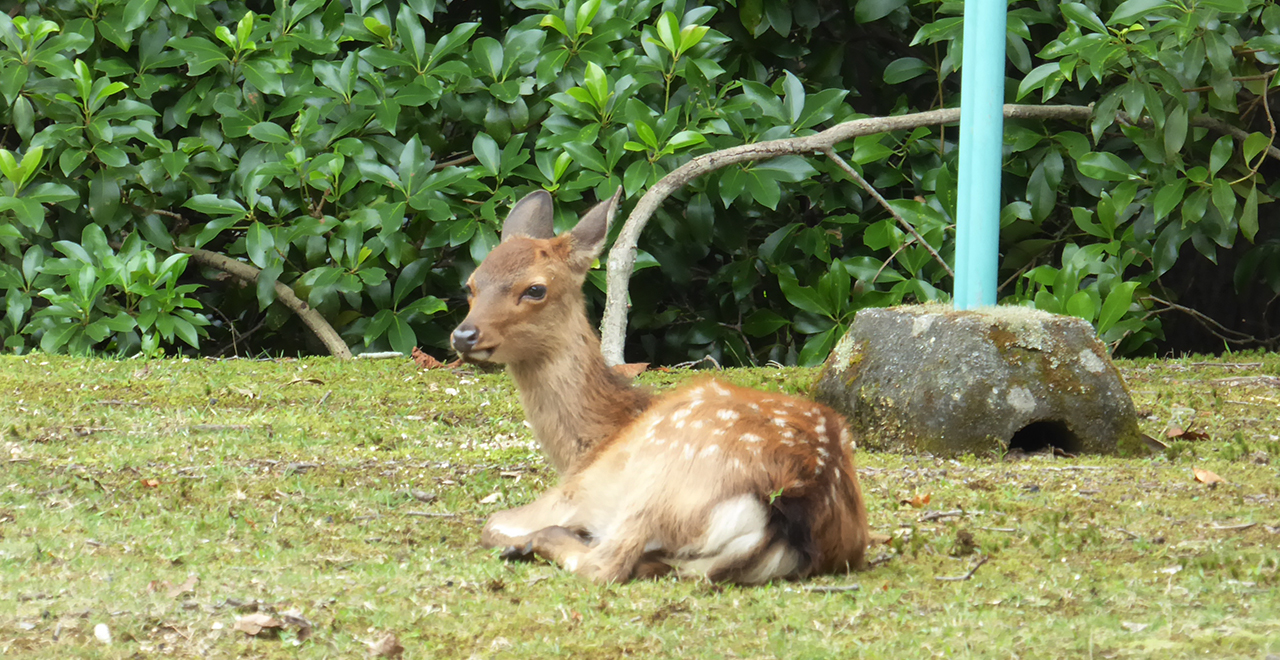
(928, 378)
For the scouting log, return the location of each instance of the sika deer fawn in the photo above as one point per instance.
(716, 480)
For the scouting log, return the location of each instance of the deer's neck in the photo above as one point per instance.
(572, 399)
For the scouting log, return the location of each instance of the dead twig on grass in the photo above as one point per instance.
(961, 578)
(1248, 380)
(1233, 528)
(840, 589)
(939, 515)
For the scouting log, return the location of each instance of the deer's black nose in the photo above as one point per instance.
(465, 337)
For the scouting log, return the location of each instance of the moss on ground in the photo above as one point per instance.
(349, 496)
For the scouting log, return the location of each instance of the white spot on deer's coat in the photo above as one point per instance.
(717, 432)
(822, 451)
(780, 422)
(571, 564)
(720, 389)
(750, 437)
(688, 451)
(680, 414)
(698, 423)
(737, 464)
(728, 415)
(788, 434)
(821, 428)
(710, 450)
(754, 407)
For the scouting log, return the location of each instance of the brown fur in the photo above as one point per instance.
(712, 479)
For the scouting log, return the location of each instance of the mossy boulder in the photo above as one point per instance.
(930, 379)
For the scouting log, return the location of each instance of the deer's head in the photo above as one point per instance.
(526, 295)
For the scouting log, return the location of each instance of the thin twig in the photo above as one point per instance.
(834, 590)
(961, 578)
(1233, 528)
(459, 161)
(939, 515)
(831, 153)
(430, 514)
(1249, 380)
(1208, 323)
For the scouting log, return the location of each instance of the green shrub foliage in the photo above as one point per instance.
(364, 153)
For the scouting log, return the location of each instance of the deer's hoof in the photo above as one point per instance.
(517, 552)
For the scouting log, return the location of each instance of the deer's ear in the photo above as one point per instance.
(588, 236)
(531, 217)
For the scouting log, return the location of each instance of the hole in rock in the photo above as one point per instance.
(1046, 433)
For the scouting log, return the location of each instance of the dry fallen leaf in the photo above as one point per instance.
(491, 498)
(1176, 432)
(1207, 477)
(1153, 444)
(387, 647)
(631, 369)
(151, 483)
(253, 624)
(918, 501)
(185, 588)
(879, 539)
(424, 360)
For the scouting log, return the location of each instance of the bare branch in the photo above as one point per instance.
(248, 273)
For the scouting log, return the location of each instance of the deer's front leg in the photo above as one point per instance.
(514, 529)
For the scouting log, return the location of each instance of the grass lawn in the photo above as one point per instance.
(169, 504)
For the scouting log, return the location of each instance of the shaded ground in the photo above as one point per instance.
(345, 499)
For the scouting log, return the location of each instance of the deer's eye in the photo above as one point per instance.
(536, 292)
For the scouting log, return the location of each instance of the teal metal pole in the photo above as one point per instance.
(981, 153)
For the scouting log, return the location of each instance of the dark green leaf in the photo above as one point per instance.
(1220, 154)
(269, 132)
(763, 322)
(213, 205)
(1249, 215)
(908, 68)
(1115, 306)
(1105, 166)
(871, 10)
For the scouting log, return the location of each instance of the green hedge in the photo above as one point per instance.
(364, 153)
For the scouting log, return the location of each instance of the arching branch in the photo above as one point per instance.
(622, 256)
(243, 271)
